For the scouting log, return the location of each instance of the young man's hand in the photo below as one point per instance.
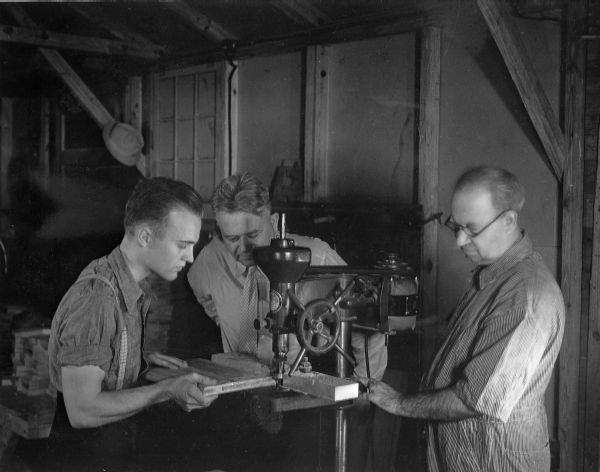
(163, 360)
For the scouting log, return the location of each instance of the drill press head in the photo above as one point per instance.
(283, 264)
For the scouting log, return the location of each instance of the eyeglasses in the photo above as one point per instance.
(455, 227)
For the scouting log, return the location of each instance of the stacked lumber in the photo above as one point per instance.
(30, 362)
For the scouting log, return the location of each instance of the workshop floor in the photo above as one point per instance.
(230, 438)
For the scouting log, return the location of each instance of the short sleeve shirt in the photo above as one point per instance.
(86, 328)
(504, 337)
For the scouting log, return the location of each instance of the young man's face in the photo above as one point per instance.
(241, 232)
(174, 247)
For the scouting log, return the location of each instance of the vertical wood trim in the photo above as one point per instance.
(571, 256)
(316, 123)
(6, 147)
(223, 117)
(134, 84)
(153, 114)
(45, 139)
(429, 133)
(594, 320)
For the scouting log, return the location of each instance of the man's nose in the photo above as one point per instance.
(461, 238)
(245, 244)
(188, 254)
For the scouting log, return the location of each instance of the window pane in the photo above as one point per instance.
(206, 94)
(185, 172)
(205, 178)
(185, 96)
(206, 138)
(165, 141)
(165, 97)
(185, 139)
(165, 169)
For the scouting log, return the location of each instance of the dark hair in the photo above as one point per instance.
(506, 191)
(241, 192)
(153, 199)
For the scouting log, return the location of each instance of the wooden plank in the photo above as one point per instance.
(302, 12)
(64, 70)
(316, 123)
(569, 391)
(51, 39)
(429, 137)
(6, 146)
(228, 379)
(591, 408)
(29, 416)
(323, 386)
(208, 27)
(519, 65)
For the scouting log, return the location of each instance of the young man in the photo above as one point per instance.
(484, 392)
(96, 342)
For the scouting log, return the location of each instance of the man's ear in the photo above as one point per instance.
(275, 222)
(144, 236)
(512, 218)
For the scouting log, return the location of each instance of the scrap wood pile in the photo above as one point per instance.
(30, 362)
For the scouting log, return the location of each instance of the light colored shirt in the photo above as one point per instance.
(86, 328)
(217, 280)
(503, 340)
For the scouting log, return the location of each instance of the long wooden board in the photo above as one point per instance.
(229, 379)
(316, 384)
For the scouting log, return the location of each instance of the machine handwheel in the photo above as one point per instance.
(318, 327)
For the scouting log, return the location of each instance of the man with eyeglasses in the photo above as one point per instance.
(483, 396)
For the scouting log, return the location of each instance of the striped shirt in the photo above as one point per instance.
(87, 324)
(503, 340)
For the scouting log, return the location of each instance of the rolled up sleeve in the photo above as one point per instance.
(88, 331)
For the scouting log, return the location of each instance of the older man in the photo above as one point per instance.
(221, 273)
(96, 340)
(484, 392)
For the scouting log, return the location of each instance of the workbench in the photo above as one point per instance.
(21, 415)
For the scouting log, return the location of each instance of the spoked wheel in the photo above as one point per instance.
(318, 327)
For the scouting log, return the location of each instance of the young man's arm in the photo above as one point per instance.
(88, 406)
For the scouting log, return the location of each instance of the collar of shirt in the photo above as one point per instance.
(131, 290)
(486, 274)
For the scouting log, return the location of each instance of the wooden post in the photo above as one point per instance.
(45, 138)
(429, 133)
(569, 421)
(315, 125)
(6, 147)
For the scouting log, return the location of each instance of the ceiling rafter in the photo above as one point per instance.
(110, 25)
(301, 11)
(50, 39)
(513, 50)
(201, 22)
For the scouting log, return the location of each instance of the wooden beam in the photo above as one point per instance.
(333, 33)
(49, 39)
(316, 111)
(202, 23)
(111, 24)
(569, 392)
(81, 91)
(302, 12)
(429, 149)
(512, 48)
(6, 146)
